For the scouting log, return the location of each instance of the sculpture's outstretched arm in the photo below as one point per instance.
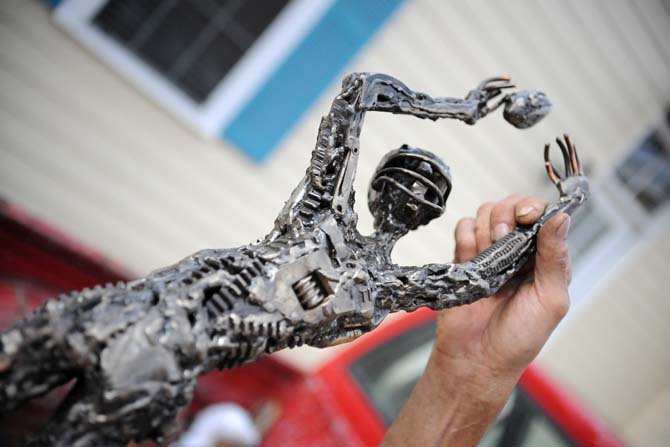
(328, 182)
(440, 286)
(386, 94)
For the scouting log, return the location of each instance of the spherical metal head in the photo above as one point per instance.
(526, 108)
(409, 188)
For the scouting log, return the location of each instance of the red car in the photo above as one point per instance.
(349, 401)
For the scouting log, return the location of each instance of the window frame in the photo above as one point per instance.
(234, 90)
(631, 226)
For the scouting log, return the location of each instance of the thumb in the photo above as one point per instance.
(552, 265)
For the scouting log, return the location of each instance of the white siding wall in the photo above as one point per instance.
(85, 151)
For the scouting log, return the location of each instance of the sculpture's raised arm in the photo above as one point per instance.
(386, 94)
(328, 183)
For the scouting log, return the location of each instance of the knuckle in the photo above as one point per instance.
(512, 198)
(569, 274)
(498, 212)
(466, 247)
(536, 202)
(482, 229)
(561, 258)
(485, 208)
(465, 227)
(465, 222)
(502, 213)
(560, 306)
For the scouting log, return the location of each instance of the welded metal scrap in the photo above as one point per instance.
(137, 348)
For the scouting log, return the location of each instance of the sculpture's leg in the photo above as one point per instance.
(32, 360)
(50, 346)
(139, 382)
(95, 415)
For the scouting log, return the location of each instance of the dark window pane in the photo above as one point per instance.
(192, 43)
(210, 67)
(588, 227)
(122, 18)
(255, 15)
(389, 373)
(646, 172)
(213, 6)
(526, 425)
(657, 191)
(173, 35)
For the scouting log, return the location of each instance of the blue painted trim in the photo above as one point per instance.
(53, 3)
(278, 105)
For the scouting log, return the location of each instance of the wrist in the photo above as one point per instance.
(470, 379)
(453, 404)
(473, 395)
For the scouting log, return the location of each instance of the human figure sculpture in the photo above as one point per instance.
(137, 348)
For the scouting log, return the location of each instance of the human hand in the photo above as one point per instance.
(481, 349)
(499, 336)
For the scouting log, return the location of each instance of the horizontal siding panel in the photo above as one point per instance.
(649, 427)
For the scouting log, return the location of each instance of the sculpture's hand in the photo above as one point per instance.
(486, 91)
(572, 185)
(502, 334)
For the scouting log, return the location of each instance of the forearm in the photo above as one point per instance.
(442, 286)
(384, 93)
(453, 404)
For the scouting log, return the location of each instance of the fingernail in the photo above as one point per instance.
(563, 228)
(526, 210)
(500, 230)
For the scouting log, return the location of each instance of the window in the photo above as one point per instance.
(389, 373)
(193, 44)
(523, 424)
(629, 203)
(202, 59)
(228, 67)
(645, 173)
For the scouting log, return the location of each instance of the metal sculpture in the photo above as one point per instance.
(137, 348)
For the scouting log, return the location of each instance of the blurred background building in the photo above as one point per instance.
(149, 130)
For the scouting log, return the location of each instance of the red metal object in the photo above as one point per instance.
(574, 419)
(326, 408)
(348, 396)
(582, 427)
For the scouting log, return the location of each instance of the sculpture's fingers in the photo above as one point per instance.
(567, 166)
(466, 240)
(551, 171)
(487, 81)
(500, 86)
(498, 103)
(574, 159)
